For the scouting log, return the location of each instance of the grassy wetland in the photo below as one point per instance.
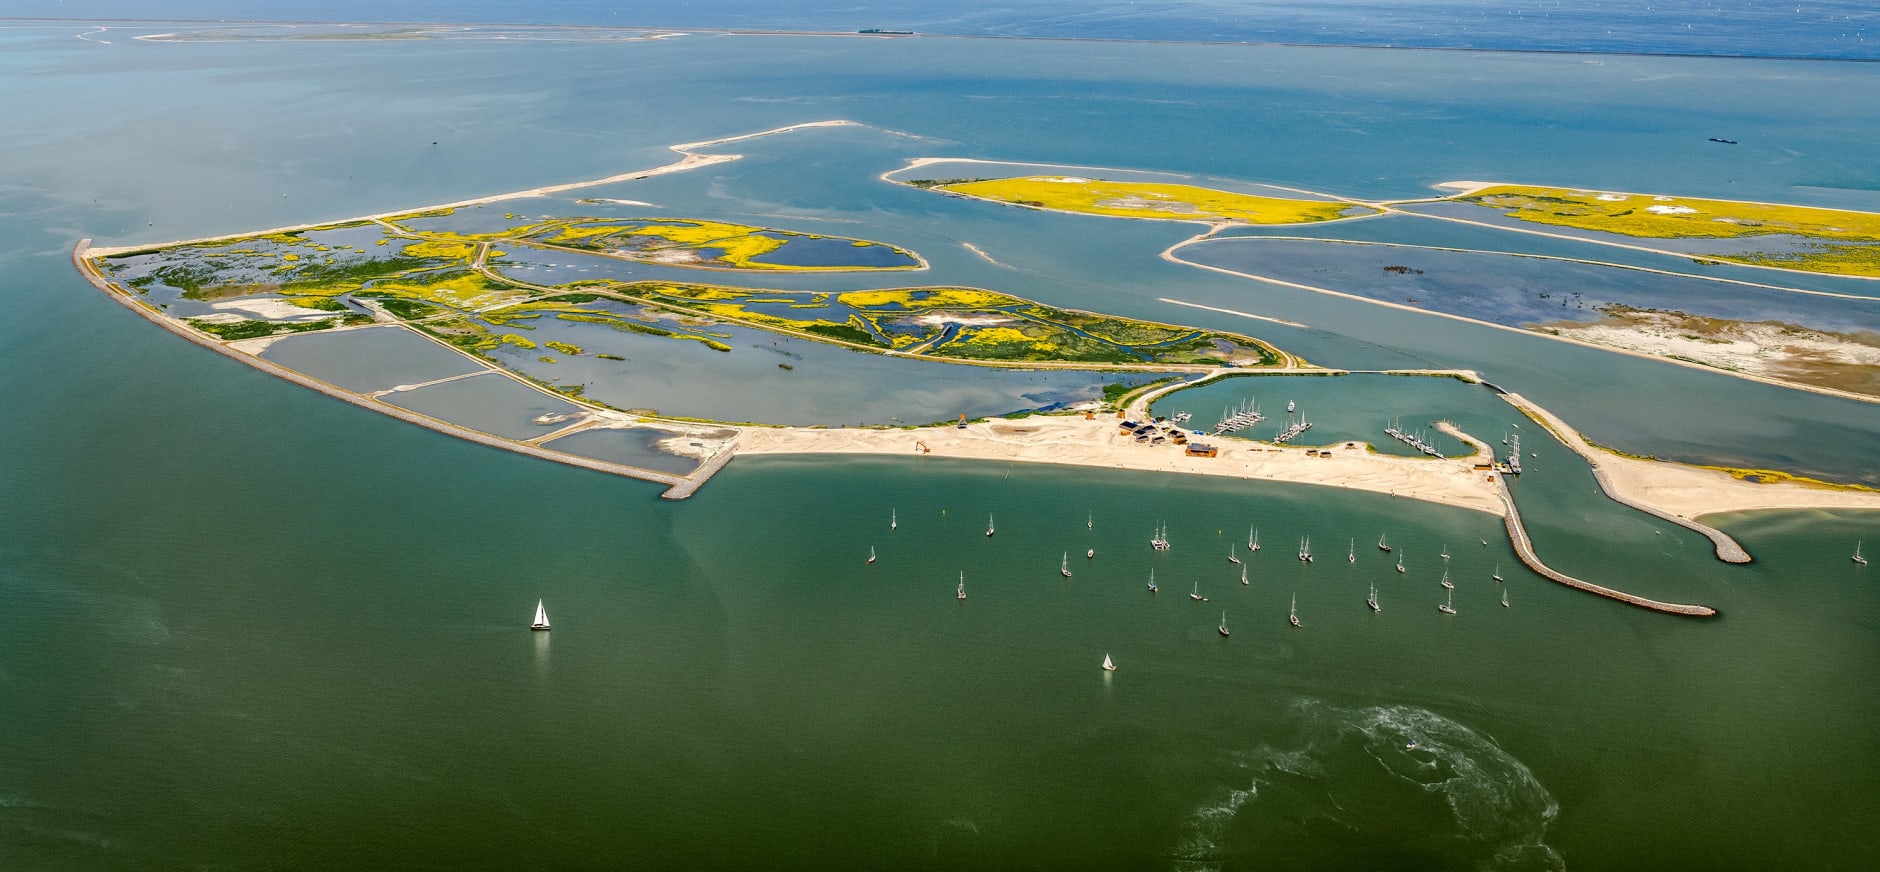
(1151, 200)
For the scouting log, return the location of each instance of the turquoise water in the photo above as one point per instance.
(255, 627)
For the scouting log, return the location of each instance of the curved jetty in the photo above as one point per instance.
(1728, 549)
(1524, 548)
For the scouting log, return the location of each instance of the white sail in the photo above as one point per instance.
(541, 617)
(1107, 665)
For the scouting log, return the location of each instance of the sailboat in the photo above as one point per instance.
(1445, 552)
(1160, 540)
(1107, 665)
(1448, 607)
(961, 590)
(1504, 597)
(1305, 549)
(1152, 587)
(871, 554)
(1372, 599)
(1446, 582)
(1400, 563)
(1253, 539)
(1090, 523)
(1223, 623)
(1293, 615)
(1090, 553)
(1497, 575)
(988, 526)
(541, 617)
(1231, 558)
(1351, 553)
(1857, 558)
(894, 519)
(1484, 542)
(1196, 596)
(1381, 545)
(1290, 406)
(1064, 568)
(1243, 575)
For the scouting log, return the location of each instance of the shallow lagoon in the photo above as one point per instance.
(494, 404)
(368, 359)
(637, 447)
(823, 384)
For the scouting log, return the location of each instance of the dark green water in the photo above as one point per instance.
(251, 627)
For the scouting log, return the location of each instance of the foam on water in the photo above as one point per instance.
(1346, 769)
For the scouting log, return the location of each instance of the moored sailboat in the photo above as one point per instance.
(1382, 545)
(1351, 553)
(1400, 563)
(1196, 596)
(1504, 597)
(894, 519)
(1372, 599)
(1446, 582)
(1857, 558)
(1064, 568)
(1445, 552)
(871, 554)
(1223, 623)
(1497, 575)
(1152, 587)
(1253, 539)
(1243, 576)
(1292, 615)
(541, 618)
(1231, 556)
(1448, 606)
(961, 590)
(989, 529)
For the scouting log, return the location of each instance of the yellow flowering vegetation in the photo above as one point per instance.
(1155, 200)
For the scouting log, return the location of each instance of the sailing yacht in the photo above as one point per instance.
(1291, 406)
(894, 519)
(541, 617)
(1400, 563)
(1448, 607)
(1243, 576)
(1160, 540)
(1445, 552)
(1857, 558)
(1231, 557)
(988, 526)
(1497, 575)
(1381, 545)
(1504, 597)
(1223, 623)
(1107, 665)
(1351, 553)
(1152, 587)
(1064, 568)
(1372, 599)
(1090, 553)
(871, 554)
(1305, 549)
(1090, 523)
(961, 590)
(1293, 615)
(1196, 596)
(1253, 539)
(1446, 582)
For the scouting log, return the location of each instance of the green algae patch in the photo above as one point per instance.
(1833, 241)
(1152, 200)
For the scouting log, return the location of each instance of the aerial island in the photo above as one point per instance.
(540, 323)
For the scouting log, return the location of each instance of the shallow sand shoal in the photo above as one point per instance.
(1075, 441)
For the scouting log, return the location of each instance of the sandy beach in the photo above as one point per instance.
(1689, 491)
(1074, 441)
